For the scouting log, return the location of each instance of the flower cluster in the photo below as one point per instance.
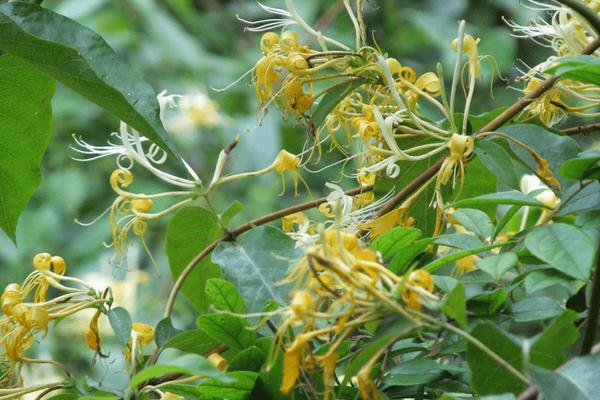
(567, 33)
(27, 311)
(339, 286)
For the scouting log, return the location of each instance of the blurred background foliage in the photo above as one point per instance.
(190, 46)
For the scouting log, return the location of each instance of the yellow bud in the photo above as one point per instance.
(42, 261)
(59, 265)
(297, 63)
(144, 333)
(394, 66)
(430, 83)
(548, 198)
(289, 41)
(10, 298)
(218, 361)
(142, 205)
(469, 44)
(268, 40)
(301, 303)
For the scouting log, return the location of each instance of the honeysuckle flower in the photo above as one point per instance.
(23, 319)
(195, 109)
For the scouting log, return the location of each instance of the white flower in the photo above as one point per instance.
(132, 147)
(195, 109)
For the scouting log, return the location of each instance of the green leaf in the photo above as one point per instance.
(193, 341)
(188, 233)
(461, 241)
(584, 372)
(565, 247)
(231, 211)
(582, 68)
(487, 375)
(498, 265)
(584, 166)
(406, 255)
(535, 309)
(120, 321)
(543, 278)
(555, 386)
(239, 389)
(250, 359)
(442, 261)
(385, 337)
(332, 98)
(255, 264)
(190, 364)
(487, 303)
(455, 305)
(164, 332)
(25, 129)
(395, 240)
(414, 372)
(589, 219)
(509, 197)
(223, 296)
(547, 349)
(227, 329)
(498, 161)
(586, 199)
(475, 221)
(80, 59)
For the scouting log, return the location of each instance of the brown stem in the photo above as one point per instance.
(232, 234)
(576, 130)
(494, 124)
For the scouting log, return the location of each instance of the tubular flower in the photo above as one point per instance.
(567, 34)
(23, 319)
(549, 107)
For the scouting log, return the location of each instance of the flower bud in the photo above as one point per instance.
(268, 40)
(42, 261)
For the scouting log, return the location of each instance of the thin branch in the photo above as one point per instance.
(576, 130)
(232, 234)
(494, 124)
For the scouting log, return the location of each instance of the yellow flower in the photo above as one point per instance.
(143, 333)
(288, 162)
(549, 107)
(466, 264)
(388, 221)
(291, 362)
(92, 338)
(289, 221)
